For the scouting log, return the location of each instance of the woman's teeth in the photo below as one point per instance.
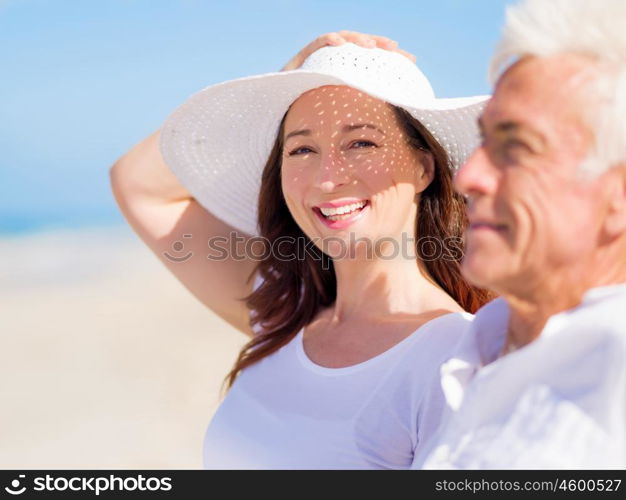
(342, 212)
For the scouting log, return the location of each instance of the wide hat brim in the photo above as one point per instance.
(218, 141)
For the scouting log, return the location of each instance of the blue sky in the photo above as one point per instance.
(82, 81)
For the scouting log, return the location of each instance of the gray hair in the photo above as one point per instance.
(593, 28)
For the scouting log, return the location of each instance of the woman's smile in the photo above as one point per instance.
(339, 214)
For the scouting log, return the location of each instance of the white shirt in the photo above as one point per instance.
(286, 412)
(559, 402)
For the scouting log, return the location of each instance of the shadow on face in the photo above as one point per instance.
(349, 167)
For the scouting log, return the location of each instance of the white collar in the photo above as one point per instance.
(602, 292)
(480, 345)
(485, 337)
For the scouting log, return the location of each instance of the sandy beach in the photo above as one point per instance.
(106, 361)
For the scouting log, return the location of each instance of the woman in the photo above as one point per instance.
(348, 331)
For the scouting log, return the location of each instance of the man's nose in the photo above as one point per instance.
(477, 176)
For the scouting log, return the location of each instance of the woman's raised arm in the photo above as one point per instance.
(177, 229)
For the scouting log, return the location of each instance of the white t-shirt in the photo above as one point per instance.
(557, 403)
(286, 412)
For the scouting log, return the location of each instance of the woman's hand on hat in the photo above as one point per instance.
(341, 37)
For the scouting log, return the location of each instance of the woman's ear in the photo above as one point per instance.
(425, 171)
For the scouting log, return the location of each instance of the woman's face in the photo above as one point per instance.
(348, 171)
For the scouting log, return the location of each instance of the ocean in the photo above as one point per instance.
(16, 224)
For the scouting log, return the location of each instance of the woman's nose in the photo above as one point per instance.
(332, 173)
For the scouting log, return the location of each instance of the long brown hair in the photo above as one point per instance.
(294, 291)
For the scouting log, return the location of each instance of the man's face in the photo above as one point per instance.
(533, 218)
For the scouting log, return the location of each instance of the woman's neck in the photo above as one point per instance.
(376, 288)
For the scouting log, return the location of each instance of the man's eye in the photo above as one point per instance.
(512, 151)
(363, 144)
(514, 144)
(300, 151)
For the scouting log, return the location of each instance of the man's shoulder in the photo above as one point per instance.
(587, 342)
(601, 317)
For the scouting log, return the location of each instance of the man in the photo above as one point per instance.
(540, 379)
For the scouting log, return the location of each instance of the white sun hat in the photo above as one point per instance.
(218, 141)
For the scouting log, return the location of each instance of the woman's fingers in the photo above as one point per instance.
(318, 43)
(385, 43)
(362, 39)
(341, 37)
(406, 54)
(368, 40)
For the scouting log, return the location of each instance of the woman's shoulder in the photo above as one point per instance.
(418, 366)
(439, 336)
(450, 323)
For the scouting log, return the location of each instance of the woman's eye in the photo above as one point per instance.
(300, 151)
(362, 144)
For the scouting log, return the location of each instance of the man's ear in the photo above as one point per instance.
(615, 221)
(425, 171)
